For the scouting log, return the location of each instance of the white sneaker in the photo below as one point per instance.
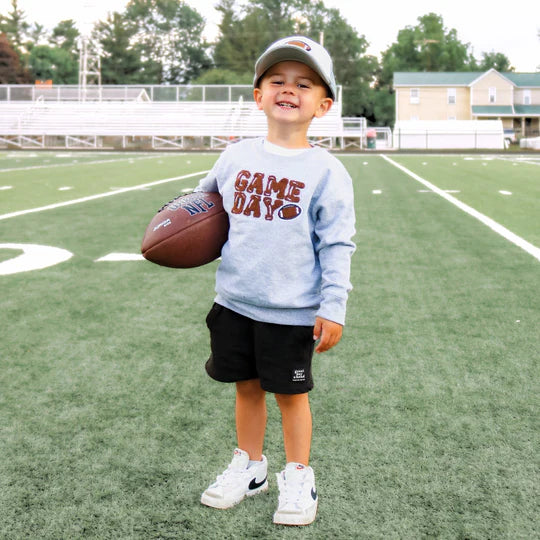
(236, 482)
(297, 495)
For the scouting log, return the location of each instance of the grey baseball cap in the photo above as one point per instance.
(298, 49)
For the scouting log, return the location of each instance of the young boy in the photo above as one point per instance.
(283, 280)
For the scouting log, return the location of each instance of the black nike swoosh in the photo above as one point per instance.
(254, 484)
(313, 494)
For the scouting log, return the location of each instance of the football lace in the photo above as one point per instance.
(171, 201)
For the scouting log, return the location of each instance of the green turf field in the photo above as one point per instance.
(426, 415)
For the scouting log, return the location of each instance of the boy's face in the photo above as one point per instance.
(292, 93)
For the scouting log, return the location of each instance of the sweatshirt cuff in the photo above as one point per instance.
(333, 309)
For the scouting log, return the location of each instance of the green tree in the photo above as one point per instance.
(37, 35)
(121, 62)
(65, 35)
(53, 63)
(59, 59)
(428, 46)
(170, 36)
(383, 106)
(495, 60)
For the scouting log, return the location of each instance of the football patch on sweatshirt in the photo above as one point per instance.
(289, 211)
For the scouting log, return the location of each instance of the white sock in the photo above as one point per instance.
(251, 463)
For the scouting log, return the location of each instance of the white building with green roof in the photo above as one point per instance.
(513, 98)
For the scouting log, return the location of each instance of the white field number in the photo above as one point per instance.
(37, 257)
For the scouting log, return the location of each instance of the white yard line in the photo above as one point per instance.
(493, 225)
(99, 195)
(76, 163)
(520, 159)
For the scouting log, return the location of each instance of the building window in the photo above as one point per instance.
(451, 118)
(492, 94)
(415, 95)
(526, 97)
(414, 119)
(451, 92)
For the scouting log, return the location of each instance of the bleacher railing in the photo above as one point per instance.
(158, 93)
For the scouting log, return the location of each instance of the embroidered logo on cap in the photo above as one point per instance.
(300, 44)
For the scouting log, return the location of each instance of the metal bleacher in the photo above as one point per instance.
(112, 118)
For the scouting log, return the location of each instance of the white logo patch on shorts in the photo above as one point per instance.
(299, 375)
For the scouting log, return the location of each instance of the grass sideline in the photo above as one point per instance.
(425, 415)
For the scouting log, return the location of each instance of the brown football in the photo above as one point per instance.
(188, 231)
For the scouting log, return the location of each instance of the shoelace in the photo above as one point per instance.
(290, 492)
(226, 477)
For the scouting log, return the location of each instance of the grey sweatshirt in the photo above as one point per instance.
(287, 258)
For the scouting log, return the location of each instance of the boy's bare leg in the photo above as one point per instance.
(250, 417)
(297, 428)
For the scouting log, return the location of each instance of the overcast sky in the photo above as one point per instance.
(507, 27)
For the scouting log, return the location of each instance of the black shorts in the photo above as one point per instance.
(278, 355)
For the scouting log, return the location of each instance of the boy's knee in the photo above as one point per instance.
(292, 400)
(250, 389)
